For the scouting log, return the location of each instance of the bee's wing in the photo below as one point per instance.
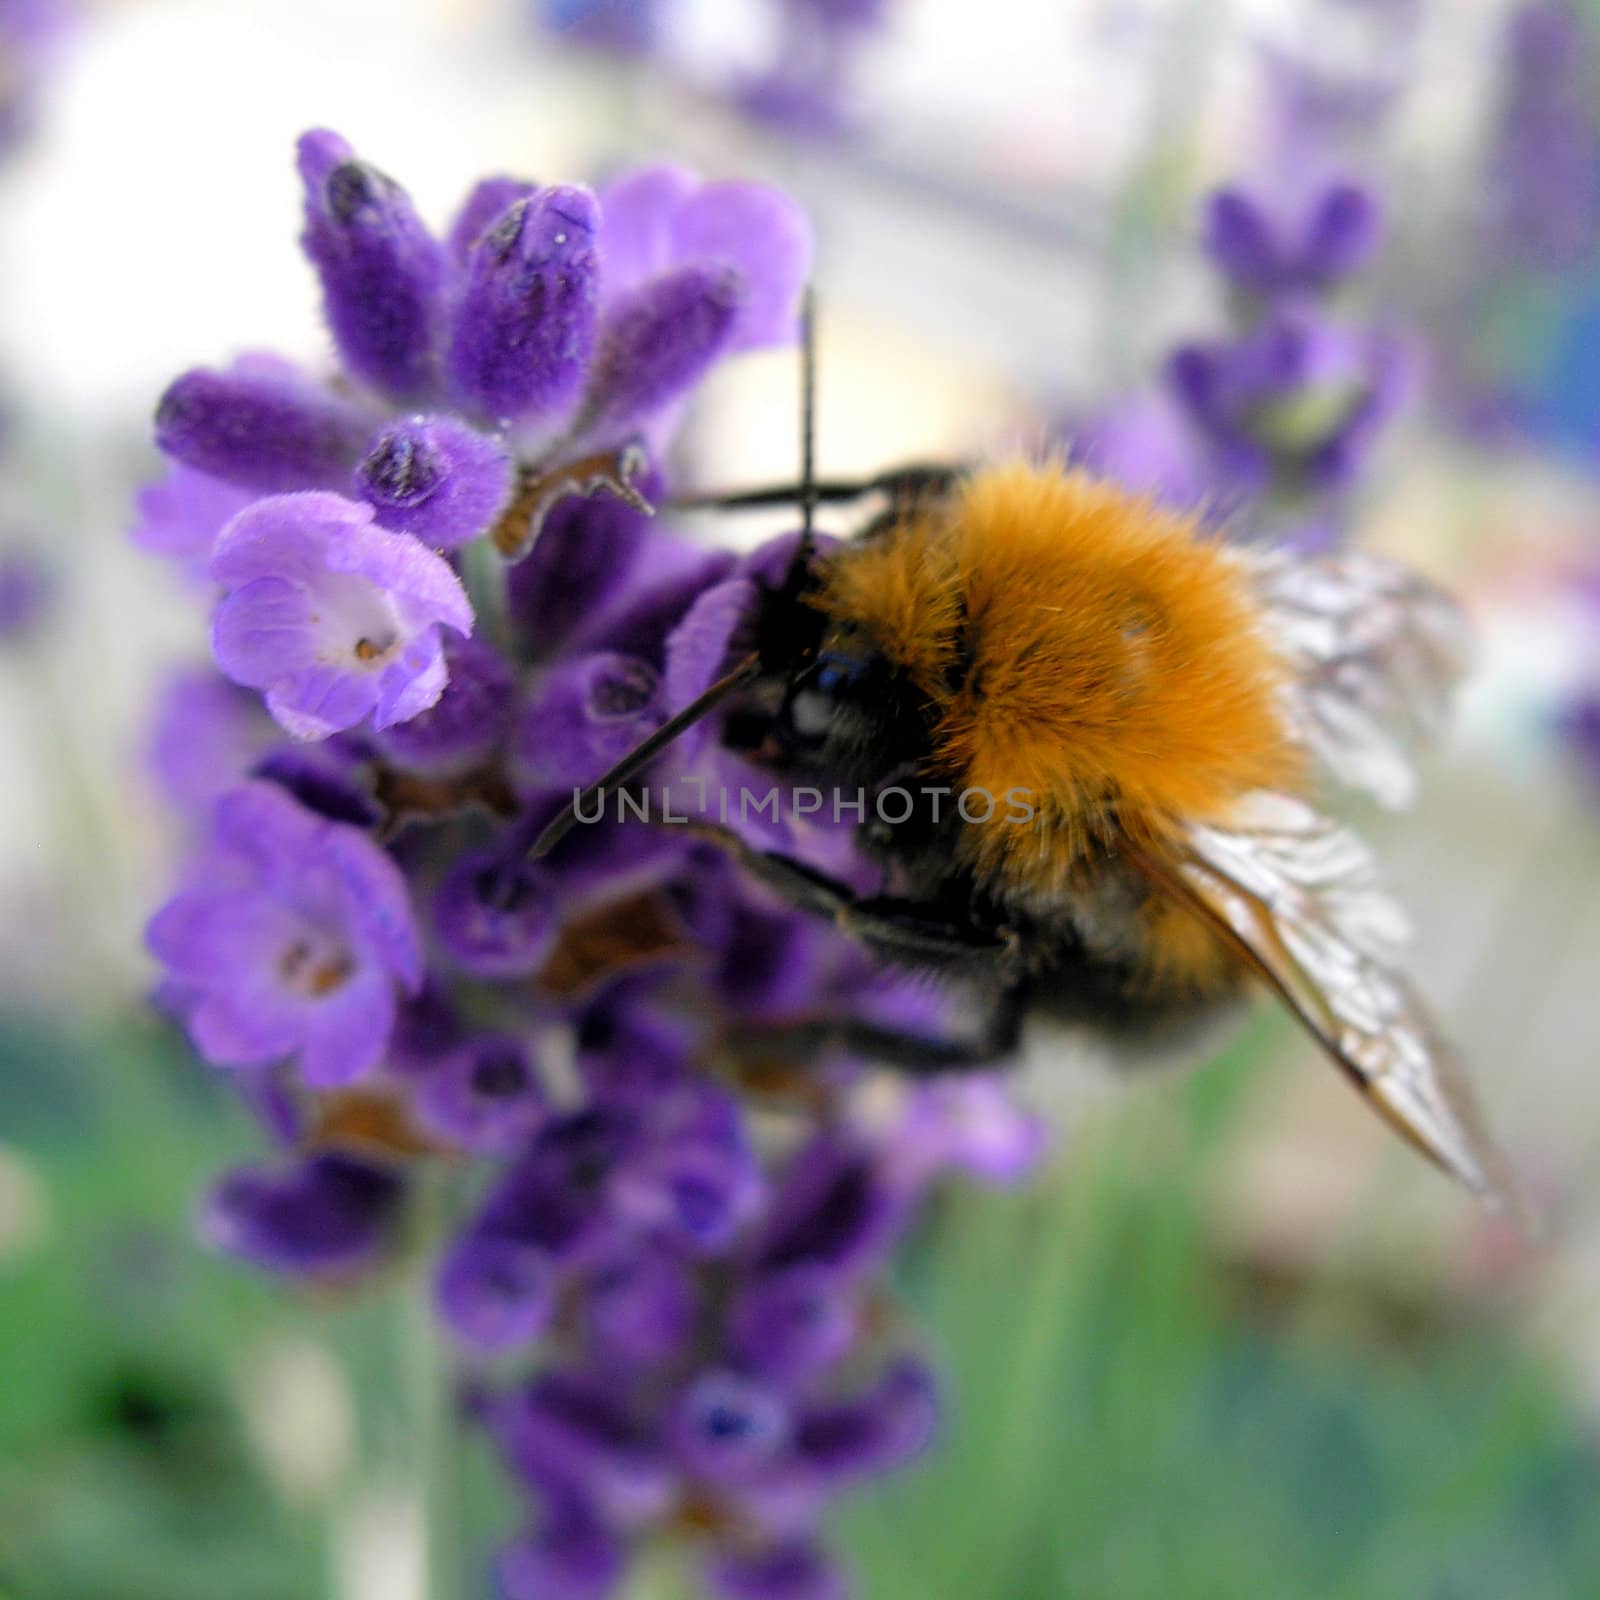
(1375, 650)
(1297, 895)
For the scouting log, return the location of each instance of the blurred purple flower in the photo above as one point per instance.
(328, 1214)
(292, 934)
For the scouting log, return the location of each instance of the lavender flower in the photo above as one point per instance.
(685, 1320)
(1266, 429)
(292, 938)
(334, 617)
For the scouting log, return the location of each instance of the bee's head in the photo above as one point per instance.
(848, 712)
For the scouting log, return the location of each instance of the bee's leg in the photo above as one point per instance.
(910, 1052)
(911, 932)
(903, 484)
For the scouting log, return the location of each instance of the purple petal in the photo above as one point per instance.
(332, 1213)
(1237, 236)
(263, 632)
(494, 1293)
(260, 429)
(729, 1427)
(412, 683)
(787, 1326)
(656, 344)
(572, 1559)
(699, 647)
(245, 1026)
(589, 714)
(495, 918)
(284, 536)
(466, 724)
(524, 327)
(382, 272)
(423, 584)
(377, 901)
(182, 515)
(761, 234)
(436, 478)
(790, 1571)
(346, 1033)
(642, 1307)
(883, 1430)
(485, 1096)
(637, 236)
(1343, 233)
(583, 556)
(205, 736)
(318, 701)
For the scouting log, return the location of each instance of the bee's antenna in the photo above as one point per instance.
(643, 753)
(808, 421)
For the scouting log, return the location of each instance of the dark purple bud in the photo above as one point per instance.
(331, 1214)
(382, 271)
(261, 429)
(729, 1427)
(495, 1293)
(318, 783)
(1236, 235)
(525, 324)
(641, 1306)
(494, 917)
(790, 1571)
(656, 344)
(436, 478)
(571, 1558)
(832, 1210)
(589, 713)
(630, 1054)
(485, 1096)
(489, 201)
(465, 725)
(789, 1325)
(881, 1431)
(426, 1028)
(574, 1431)
(1343, 233)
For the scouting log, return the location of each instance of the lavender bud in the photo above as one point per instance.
(524, 328)
(436, 478)
(382, 272)
(260, 429)
(657, 343)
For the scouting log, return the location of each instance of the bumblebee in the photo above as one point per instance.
(1166, 702)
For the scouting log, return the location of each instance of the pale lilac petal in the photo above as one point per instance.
(321, 700)
(346, 1033)
(378, 902)
(284, 536)
(424, 584)
(412, 683)
(765, 237)
(699, 646)
(263, 631)
(243, 1028)
(636, 229)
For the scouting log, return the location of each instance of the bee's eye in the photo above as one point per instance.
(814, 700)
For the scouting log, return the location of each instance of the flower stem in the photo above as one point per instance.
(484, 574)
(440, 1455)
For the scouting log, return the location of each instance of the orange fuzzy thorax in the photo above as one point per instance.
(1115, 662)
